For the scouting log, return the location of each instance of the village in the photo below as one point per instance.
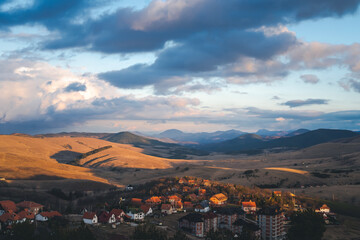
(195, 206)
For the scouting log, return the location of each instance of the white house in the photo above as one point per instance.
(146, 209)
(325, 209)
(45, 216)
(167, 208)
(129, 188)
(90, 218)
(136, 215)
(203, 207)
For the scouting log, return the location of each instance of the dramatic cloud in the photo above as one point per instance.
(299, 103)
(310, 78)
(196, 47)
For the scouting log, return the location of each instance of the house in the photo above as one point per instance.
(202, 191)
(167, 208)
(173, 199)
(191, 182)
(271, 223)
(206, 183)
(203, 207)
(193, 223)
(186, 189)
(146, 209)
(182, 181)
(119, 214)
(218, 199)
(90, 218)
(248, 207)
(136, 214)
(153, 201)
(179, 205)
(31, 206)
(192, 197)
(45, 216)
(9, 218)
(7, 206)
(136, 202)
(277, 193)
(129, 188)
(228, 215)
(188, 206)
(26, 215)
(106, 217)
(324, 209)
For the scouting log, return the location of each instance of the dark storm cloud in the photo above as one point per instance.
(310, 101)
(75, 87)
(149, 29)
(202, 52)
(202, 36)
(54, 14)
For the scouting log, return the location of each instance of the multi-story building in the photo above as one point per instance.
(271, 224)
(193, 223)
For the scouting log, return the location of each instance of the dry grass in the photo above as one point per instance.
(288, 170)
(26, 157)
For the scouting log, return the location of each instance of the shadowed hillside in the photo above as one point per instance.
(249, 143)
(154, 147)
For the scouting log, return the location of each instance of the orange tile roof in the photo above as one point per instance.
(166, 207)
(116, 212)
(218, 198)
(145, 208)
(137, 201)
(324, 207)
(50, 214)
(26, 214)
(8, 205)
(249, 204)
(9, 217)
(174, 198)
(89, 215)
(153, 199)
(28, 204)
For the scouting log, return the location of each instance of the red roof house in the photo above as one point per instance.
(31, 206)
(136, 201)
(7, 206)
(90, 218)
(106, 217)
(248, 206)
(119, 214)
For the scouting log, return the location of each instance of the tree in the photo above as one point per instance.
(306, 225)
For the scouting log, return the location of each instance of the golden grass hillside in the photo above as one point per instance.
(24, 157)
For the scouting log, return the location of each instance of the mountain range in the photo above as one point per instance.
(228, 142)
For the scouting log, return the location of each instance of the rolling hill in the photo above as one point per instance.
(154, 147)
(250, 143)
(32, 158)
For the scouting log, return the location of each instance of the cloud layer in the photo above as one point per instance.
(200, 47)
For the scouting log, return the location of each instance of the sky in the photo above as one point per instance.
(193, 65)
